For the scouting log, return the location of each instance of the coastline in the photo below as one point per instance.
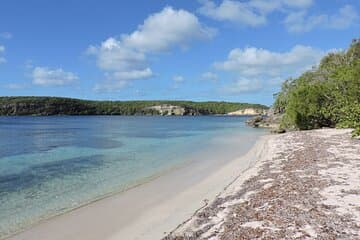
(294, 185)
(307, 186)
(163, 202)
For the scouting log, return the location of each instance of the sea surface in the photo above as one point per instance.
(50, 165)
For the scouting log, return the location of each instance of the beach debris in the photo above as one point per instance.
(309, 188)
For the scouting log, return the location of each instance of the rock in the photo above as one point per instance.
(269, 120)
(255, 121)
(278, 130)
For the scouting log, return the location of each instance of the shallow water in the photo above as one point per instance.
(50, 165)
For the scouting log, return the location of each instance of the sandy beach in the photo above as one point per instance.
(298, 185)
(307, 186)
(152, 210)
(180, 120)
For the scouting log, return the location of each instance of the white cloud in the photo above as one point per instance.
(232, 11)
(253, 61)
(52, 77)
(112, 55)
(346, 17)
(257, 67)
(166, 29)
(255, 13)
(124, 59)
(2, 50)
(299, 22)
(250, 13)
(303, 22)
(6, 35)
(210, 76)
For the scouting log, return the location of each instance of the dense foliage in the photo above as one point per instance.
(326, 96)
(68, 106)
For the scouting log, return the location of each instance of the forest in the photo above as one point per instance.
(44, 106)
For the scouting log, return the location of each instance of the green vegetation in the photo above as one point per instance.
(68, 106)
(326, 96)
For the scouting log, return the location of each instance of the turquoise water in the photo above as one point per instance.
(50, 165)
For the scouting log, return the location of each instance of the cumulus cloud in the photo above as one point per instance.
(112, 55)
(267, 66)
(124, 59)
(250, 13)
(52, 77)
(303, 22)
(166, 29)
(232, 11)
(255, 13)
(253, 61)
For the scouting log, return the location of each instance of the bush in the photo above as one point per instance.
(327, 96)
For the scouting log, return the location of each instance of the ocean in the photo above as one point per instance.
(51, 165)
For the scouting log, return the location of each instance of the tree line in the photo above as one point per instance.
(69, 106)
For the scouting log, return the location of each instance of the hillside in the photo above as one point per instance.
(44, 106)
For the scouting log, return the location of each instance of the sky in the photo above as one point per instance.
(224, 50)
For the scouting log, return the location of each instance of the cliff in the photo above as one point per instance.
(248, 112)
(168, 110)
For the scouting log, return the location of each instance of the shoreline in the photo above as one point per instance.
(166, 207)
(306, 187)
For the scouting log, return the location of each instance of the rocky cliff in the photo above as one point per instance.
(167, 109)
(248, 112)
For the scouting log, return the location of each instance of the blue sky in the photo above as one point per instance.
(195, 50)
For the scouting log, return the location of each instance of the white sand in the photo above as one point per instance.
(326, 161)
(152, 209)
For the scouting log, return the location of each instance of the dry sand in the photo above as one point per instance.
(306, 187)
